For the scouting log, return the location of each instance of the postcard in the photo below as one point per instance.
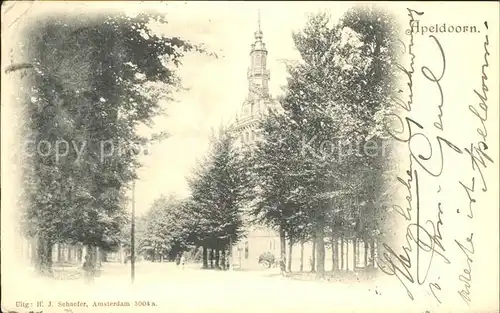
(250, 156)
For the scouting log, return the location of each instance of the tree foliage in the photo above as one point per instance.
(313, 155)
(212, 215)
(169, 229)
(278, 191)
(219, 191)
(95, 81)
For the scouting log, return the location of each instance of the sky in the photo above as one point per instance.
(216, 86)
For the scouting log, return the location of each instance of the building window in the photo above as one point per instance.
(258, 60)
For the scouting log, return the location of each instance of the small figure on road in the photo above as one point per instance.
(178, 260)
(183, 261)
(88, 270)
(282, 266)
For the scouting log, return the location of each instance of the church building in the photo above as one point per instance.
(258, 239)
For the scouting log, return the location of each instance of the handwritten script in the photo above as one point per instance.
(430, 147)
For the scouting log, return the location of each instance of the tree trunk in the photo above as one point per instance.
(91, 254)
(282, 249)
(33, 252)
(342, 252)
(334, 254)
(355, 252)
(289, 264)
(69, 258)
(347, 254)
(313, 255)
(320, 250)
(301, 256)
(48, 258)
(337, 254)
(69, 252)
(59, 253)
(212, 256)
(96, 254)
(205, 257)
(217, 258)
(372, 252)
(43, 263)
(223, 259)
(65, 253)
(366, 252)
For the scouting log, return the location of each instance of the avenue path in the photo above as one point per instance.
(195, 290)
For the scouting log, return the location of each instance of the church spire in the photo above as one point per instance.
(258, 44)
(258, 74)
(258, 33)
(258, 18)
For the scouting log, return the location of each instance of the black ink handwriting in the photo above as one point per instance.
(412, 136)
(466, 279)
(433, 286)
(407, 106)
(400, 265)
(483, 97)
(478, 159)
(419, 158)
(468, 190)
(437, 80)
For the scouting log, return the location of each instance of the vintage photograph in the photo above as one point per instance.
(246, 156)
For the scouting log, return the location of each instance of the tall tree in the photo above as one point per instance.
(219, 192)
(328, 113)
(304, 103)
(170, 228)
(272, 163)
(96, 80)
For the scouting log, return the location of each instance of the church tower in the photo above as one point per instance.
(258, 74)
(258, 239)
(258, 99)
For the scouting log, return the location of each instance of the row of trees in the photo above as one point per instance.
(90, 83)
(211, 218)
(319, 168)
(322, 164)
